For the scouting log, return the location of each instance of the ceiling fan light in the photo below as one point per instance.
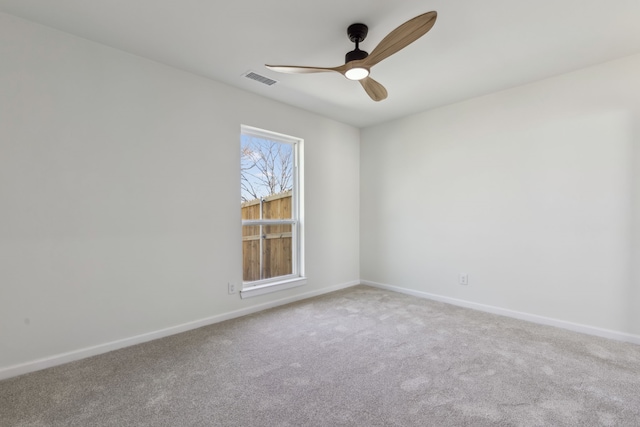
(356, 73)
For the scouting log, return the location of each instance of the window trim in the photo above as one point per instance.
(266, 288)
(297, 278)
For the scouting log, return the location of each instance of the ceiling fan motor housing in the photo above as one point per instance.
(355, 55)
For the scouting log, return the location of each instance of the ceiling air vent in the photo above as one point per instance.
(262, 79)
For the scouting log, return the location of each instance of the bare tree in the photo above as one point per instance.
(266, 168)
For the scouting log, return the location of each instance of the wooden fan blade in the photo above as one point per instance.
(375, 90)
(401, 37)
(293, 69)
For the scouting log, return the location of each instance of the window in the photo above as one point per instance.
(271, 206)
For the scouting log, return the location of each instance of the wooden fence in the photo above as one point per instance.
(266, 250)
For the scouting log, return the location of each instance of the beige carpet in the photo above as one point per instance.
(358, 357)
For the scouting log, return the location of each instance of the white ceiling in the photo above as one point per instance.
(476, 47)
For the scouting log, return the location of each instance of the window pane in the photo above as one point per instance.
(266, 168)
(266, 251)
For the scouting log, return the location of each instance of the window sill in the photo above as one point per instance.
(254, 291)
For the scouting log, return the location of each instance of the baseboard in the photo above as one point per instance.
(576, 327)
(59, 359)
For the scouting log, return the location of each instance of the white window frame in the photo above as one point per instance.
(297, 277)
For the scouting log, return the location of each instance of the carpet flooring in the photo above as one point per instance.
(357, 357)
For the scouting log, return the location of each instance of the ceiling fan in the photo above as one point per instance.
(358, 63)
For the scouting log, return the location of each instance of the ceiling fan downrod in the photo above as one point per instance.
(357, 33)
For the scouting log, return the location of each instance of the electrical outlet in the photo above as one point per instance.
(232, 288)
(463, 278)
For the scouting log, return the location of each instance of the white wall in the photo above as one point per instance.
(533, 191)
(119, 197)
